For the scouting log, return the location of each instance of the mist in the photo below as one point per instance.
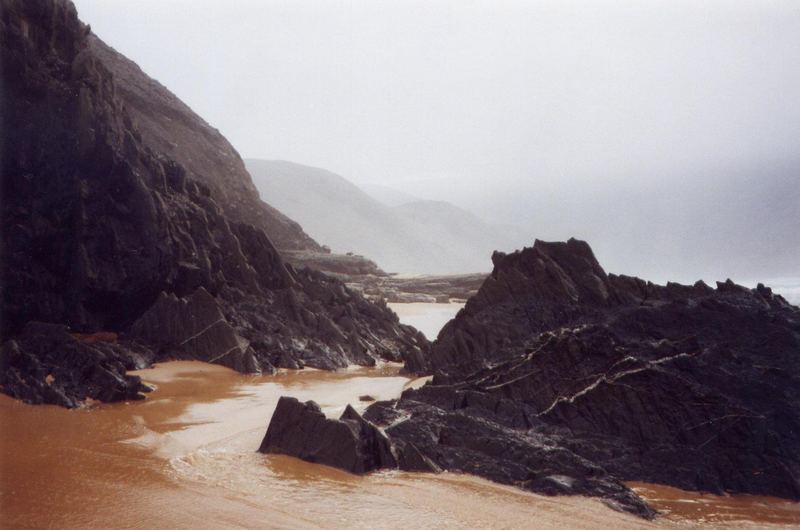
(667, 134)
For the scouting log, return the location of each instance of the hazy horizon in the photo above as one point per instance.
(666, 134)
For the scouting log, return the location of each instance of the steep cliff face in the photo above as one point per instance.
(106, 229)
(170, 127)
(562, 379)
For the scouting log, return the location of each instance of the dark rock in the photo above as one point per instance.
(366, 397)
(350, 443)
(561, 378)
(45, 364)
(411, 459)
(124, 212)
(169, 126)
(469, 440)
(194, 327)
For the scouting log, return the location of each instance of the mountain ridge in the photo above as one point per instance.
(423, 236)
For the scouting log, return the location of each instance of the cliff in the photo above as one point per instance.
(124, 213)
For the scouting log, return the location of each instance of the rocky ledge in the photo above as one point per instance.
(562, 379)
(365, 277)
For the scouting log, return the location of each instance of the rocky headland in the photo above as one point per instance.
(132, 233)
(127, 218)
(562, 379)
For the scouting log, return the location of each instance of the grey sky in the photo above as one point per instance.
(613, 121)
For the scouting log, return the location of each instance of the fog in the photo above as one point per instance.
(667, 134)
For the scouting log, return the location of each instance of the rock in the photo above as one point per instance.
(366, 397)
(411, 459)
(125, 213)
(45, 364)
(561, 378)
(350, 443)
(468, 438)
(194, 327)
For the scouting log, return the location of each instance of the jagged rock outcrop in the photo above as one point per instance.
(559, 378)
(47, 364)
(683, 385)
(194, 327)
(100, 217)
(349, 443)
(443, 428)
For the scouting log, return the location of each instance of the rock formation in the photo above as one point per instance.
(560, 378)
(168, 126)
(350, 443)
(124, 212)
(47, 364)
(194, 327)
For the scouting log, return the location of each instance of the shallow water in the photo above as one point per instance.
(429, 318)
(740, 511)
(186, 458)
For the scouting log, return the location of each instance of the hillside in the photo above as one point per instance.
(427, 237)
(168, 126)
(388, 195)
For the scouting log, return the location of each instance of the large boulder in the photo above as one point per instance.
(350, 443)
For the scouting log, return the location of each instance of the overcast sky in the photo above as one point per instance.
(656, 130)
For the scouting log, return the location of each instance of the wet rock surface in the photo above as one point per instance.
(109, 227)
(441, 428)
(561, 379)
(46, 364)
(194, 327)
(350, 443)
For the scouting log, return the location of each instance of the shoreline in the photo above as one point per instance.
(190, 442)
